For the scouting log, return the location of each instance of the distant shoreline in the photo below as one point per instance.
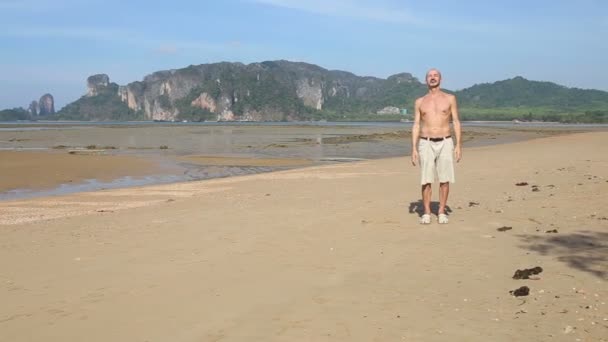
(288, 123)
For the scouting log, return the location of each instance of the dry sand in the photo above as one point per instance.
(330, 253)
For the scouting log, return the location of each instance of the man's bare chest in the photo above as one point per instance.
(435, 107)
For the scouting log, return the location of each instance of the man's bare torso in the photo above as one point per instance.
(435, 114)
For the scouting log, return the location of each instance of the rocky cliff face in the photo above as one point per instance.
(46, 105)
(405, 77)
(282, 90)
(267, 91)
(33, 108)
(96, 84)
(310, 93)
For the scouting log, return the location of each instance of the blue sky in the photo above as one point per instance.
(54, 45)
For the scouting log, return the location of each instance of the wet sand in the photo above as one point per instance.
(236, 161)
(323, 253)
(48, 169)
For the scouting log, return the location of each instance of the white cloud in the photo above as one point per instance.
(123, 36)
(64, 32)
(344, 8)
(379, 11)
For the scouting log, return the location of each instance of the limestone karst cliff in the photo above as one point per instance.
(267, 91)
(46, 105)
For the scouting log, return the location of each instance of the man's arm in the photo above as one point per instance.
(416, 132)
(457, 130)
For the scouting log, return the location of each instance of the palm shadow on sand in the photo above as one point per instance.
(418, 208)
(585, 251)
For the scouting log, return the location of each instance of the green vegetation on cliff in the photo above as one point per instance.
(269, 92)
(520, 92)
(287, 91)
(14, 114)
(106, 106)
(521, 99)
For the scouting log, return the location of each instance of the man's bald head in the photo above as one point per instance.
(433, 78)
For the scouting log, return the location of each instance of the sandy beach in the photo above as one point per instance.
(321, 253)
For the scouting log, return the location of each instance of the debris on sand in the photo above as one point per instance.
(535, 188)
(521, 184)
(473, 204)
(87, 151)
(526, 273)
(522, 291)
(551, 231)
(504, 228)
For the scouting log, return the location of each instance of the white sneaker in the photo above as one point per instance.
(442, 219)
(425, 219)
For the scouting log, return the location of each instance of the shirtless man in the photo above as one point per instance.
(432, 144)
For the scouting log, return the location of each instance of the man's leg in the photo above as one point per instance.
(444, 191)
(426, 197)
(445, 171)
(426, 201)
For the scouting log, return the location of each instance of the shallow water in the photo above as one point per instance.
(89, 185)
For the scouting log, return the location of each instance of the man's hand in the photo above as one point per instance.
(458, 153)
(414, 157)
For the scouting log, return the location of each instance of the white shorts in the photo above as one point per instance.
(436, 157)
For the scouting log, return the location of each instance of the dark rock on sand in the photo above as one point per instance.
(522, 291)
(526, 273)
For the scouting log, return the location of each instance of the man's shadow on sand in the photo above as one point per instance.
(418, 208)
